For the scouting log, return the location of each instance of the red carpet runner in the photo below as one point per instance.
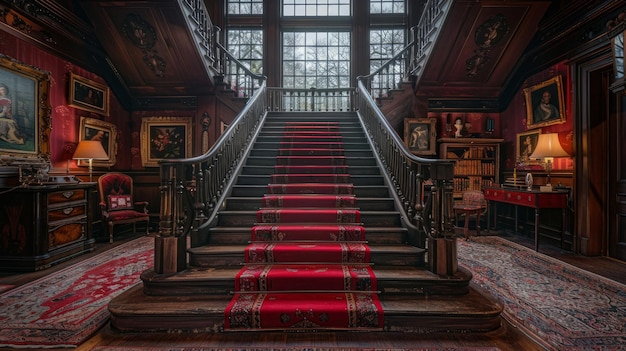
(307, 267)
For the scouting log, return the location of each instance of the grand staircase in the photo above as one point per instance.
(412, 298)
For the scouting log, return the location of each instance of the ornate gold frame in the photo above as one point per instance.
(29, 91)
(165, 138)
(92, 129)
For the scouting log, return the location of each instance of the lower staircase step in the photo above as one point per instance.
(286, 233)
(304, 311)
(310, 277)
(320, 252)
(135, 311)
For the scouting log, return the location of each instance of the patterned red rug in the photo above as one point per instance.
(434, 348)
(65, 308)
(566, 308)
(303, 270)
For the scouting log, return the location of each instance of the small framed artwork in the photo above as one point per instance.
(165, 138)
(106, 133)
(88, 95)
(25, 118)
(545, 104)
(526, 144)
(420, 135)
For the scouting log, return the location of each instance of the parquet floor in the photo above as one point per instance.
(507, 338)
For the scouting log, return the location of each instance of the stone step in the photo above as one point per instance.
(359, 191)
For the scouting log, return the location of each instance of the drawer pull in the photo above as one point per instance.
(68, 194)
(68, 210)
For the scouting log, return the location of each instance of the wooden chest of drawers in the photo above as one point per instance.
(43, 225)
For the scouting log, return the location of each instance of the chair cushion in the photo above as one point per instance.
(119, 202)
(126, 214)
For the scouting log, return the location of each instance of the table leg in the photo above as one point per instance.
(536, 229)
(563, 227)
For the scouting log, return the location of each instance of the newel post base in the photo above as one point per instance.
(442, 256)
(170, 254)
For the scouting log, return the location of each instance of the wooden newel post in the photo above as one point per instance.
(170, 246)
(442, 245)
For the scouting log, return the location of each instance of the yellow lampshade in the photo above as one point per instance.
(548, 145)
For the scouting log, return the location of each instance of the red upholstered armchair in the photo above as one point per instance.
(117, 203)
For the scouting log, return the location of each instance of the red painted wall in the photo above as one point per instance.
(66, 119)
(513, 119)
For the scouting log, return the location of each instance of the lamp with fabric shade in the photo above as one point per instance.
(548, 147)
(90, 150)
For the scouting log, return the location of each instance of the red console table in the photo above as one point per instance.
(534, 199)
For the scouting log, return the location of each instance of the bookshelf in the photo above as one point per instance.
(477, 162)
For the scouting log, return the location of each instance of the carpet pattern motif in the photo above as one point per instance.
(66, 308)
(307, 266)
(565, 307)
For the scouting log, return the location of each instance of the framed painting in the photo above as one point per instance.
(25, 113)
(526, 144)
(165, 138)
(420, 135)
(95, 129)
(545, 104)
(88, 95)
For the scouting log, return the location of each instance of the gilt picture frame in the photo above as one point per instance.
(420, 135)
(165, 138)
(87, 95)
(526, 144)
(545, 103)
(25, 113)
(95, 129)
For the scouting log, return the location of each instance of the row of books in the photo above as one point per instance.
(471, 183)
(474, 167)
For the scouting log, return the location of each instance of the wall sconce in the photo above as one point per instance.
(548, 147)
(90, 150)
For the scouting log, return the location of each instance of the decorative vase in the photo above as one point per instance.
(529, 181)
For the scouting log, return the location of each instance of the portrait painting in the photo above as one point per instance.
(420, 135)
(165, 138)
(24, 110)
(526, 144)
(88, 95)
(544, 104)
(106, 133)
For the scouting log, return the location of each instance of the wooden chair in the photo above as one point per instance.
(117, 203)
(472, 204)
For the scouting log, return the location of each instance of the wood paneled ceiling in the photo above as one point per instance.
(480, 44)
(151, 47)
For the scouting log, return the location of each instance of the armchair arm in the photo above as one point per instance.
(103, 209)
(143, 204)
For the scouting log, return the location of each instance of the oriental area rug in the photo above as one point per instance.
(116, 348)
(564, 307)
(65, 308)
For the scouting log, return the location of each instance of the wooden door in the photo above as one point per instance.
(617, 177)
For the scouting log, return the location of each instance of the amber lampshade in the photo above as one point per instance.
(90, 150)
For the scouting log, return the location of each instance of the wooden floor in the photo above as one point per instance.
(507, 338)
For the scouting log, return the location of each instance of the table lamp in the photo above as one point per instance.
(548, 147)
(90, 150)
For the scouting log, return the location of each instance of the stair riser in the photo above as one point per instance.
(264, 180)
(219, 237)
(235, 260)
(251, 204)
(260, 190)
(271, 161)
(269, 170)
(248, 218)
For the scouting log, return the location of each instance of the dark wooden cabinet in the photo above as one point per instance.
(44, 224)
